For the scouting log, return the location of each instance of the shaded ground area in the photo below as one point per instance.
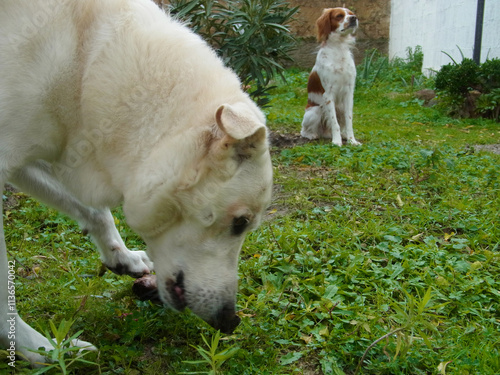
(286, 140)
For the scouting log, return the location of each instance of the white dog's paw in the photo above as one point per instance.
(132, 263)
(353, 142)
(29, 342)
(83, 345)
(38, 360)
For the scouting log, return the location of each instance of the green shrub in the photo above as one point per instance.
(469, 89)
(490, 74)
(251, 36)
(458, 79)
(489, 104)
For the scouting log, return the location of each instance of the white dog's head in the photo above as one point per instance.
(195, 229)
(340, 21)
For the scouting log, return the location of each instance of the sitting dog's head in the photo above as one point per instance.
(340, 21)
(195, 227)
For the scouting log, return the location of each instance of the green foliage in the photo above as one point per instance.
(251, 36)
(211, 357)
(64, 354)
(386, 222)
(490, 104)
(458, 79)
(471, 89)
(371, 66)
(490, 75)
(411, 316)
(401, 73)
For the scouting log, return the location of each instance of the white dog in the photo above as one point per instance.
(103, 102)
(331, 83)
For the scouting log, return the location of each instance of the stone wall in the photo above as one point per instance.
(373, 32)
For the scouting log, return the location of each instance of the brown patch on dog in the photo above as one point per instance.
(314, 83)
(314, 86)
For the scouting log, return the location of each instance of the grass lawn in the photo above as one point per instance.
(377, 259)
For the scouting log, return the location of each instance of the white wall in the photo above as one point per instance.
(442, 25)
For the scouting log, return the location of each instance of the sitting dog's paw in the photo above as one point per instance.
(132, 263)
(308, 135)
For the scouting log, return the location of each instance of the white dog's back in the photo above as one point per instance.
(55, 96)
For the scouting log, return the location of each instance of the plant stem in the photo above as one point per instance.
(373, 344)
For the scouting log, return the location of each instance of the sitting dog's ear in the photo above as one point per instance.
(242, 129)
(324, 25)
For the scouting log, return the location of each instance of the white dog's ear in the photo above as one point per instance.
(242, 128)
(238, 121)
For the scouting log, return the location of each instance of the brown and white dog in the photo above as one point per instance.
(331, 82)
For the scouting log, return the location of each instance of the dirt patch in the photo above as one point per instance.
(10, 199)
(491, 148)
(287, 140)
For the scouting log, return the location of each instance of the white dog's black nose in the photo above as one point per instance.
(226, 320)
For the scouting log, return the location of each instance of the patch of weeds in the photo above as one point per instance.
(212, 358)
(65, 353)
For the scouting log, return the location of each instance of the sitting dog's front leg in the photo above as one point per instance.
(346, 122)
(332, 122)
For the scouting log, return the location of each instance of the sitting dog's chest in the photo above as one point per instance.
(335, 68)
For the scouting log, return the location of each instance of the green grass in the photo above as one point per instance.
(387, 252)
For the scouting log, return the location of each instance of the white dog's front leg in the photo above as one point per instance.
(24, 340)
(38, 180)
(16, 336)
(114, 254)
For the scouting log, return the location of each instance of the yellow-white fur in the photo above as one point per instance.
(104, 102)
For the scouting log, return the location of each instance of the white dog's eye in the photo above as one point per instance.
(239, 225)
